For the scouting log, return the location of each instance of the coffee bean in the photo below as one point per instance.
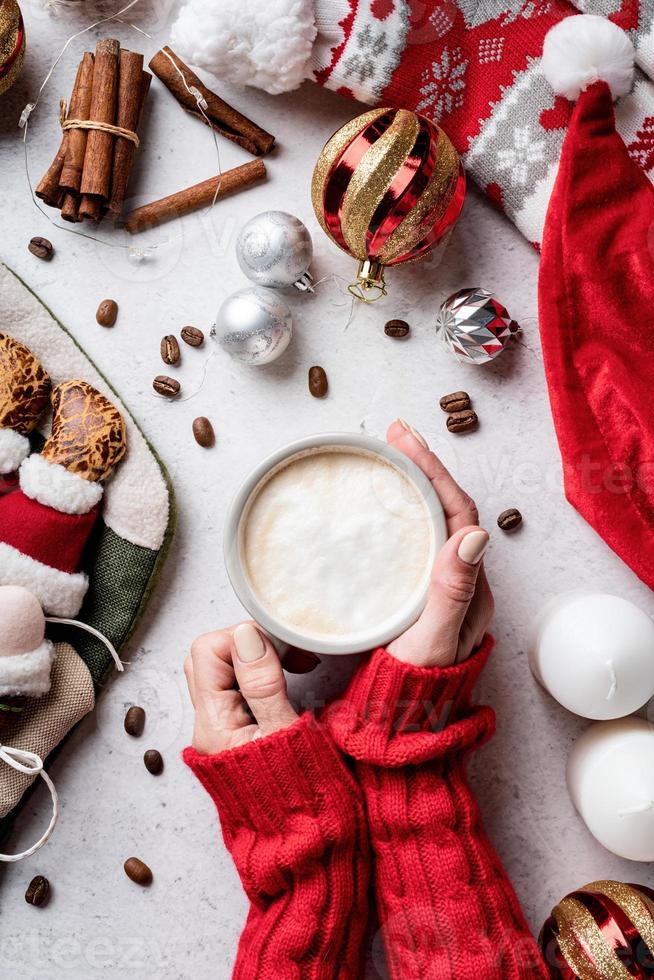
(318, 383)
(509, 519)
(396, 328)
(164, 385)
(153, 761)
(41, 247)
(169, 349)
(192, 336)
(138, 871)
(37, 891)
(464, 421)
(203, 432)
(457, 401)
(135, 721)
(107, 312)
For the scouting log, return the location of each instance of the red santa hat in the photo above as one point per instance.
(596, 296)
(44, 528)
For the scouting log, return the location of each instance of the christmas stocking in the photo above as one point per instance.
(473, 66)
(44, 528)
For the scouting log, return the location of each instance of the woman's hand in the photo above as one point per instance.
(217, 663)
(460, 603)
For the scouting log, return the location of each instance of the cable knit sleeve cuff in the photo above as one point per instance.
(273, 784)
(394, 714)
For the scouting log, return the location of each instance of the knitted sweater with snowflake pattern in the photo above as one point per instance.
(295, 822)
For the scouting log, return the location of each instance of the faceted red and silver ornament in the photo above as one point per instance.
(474, 325)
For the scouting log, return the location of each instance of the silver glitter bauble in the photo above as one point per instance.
(274, 249)
(253, 325)
(474, 326)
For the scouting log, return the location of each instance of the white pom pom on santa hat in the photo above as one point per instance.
(248, 42)
(583, 49)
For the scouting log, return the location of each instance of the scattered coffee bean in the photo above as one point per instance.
(318, 383)
(41, 247)
(164, 385)
(464, 421)
(192, 336)
(135, 721)
(153, 761)
(203, 432)
(509, 519)
(396, 328)
(457, 401)
(37, 891)
(169, 349)
(107, 312)
(138, 871)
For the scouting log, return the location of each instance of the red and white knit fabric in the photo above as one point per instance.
(473, 66)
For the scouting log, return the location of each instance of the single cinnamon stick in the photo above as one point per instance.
(70, 206)
(193, 198)
(224, 118)
(78, 108)
(133, 87)
(91, 206)
(48, 187)
(98, 158)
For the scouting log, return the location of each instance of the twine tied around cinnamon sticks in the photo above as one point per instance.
(66, 124)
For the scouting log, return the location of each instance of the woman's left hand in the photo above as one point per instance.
(237, 687)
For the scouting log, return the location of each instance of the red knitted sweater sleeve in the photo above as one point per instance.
(292, 818)
(446, 908)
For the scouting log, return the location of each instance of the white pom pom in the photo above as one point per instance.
(248, 42)
(583, 49)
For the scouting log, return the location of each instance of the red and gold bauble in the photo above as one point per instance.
(387, 188)
(603, 931)
(12, 43)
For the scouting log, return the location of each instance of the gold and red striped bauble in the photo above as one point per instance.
(12, 43)
(603, 931)
(387, 188)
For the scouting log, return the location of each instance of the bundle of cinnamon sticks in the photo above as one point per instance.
(89, 175)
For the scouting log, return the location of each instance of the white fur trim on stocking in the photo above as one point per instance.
(55, 486)
(60, 593)
(14, 447)
(584, 49)
(265, 43)
(27, 674)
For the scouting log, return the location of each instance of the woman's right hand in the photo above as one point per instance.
(237, 687)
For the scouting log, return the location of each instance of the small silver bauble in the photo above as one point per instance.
(274, 249)
(474, 326)
(253, 325)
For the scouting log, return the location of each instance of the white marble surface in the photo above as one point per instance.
(98, 923)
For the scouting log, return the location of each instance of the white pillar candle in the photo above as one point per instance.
(594, 653)
(611, 783)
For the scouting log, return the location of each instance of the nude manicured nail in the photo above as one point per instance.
(248, 642)
(472, 547)
(414, 432)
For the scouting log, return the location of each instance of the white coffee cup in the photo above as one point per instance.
(378, 634)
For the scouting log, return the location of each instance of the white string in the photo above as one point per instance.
(92, 630)
(23, 124)
(30, 764)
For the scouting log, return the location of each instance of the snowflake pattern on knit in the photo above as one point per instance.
(443, 84)
(371, 45)
(642, 148)
(518, 158)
